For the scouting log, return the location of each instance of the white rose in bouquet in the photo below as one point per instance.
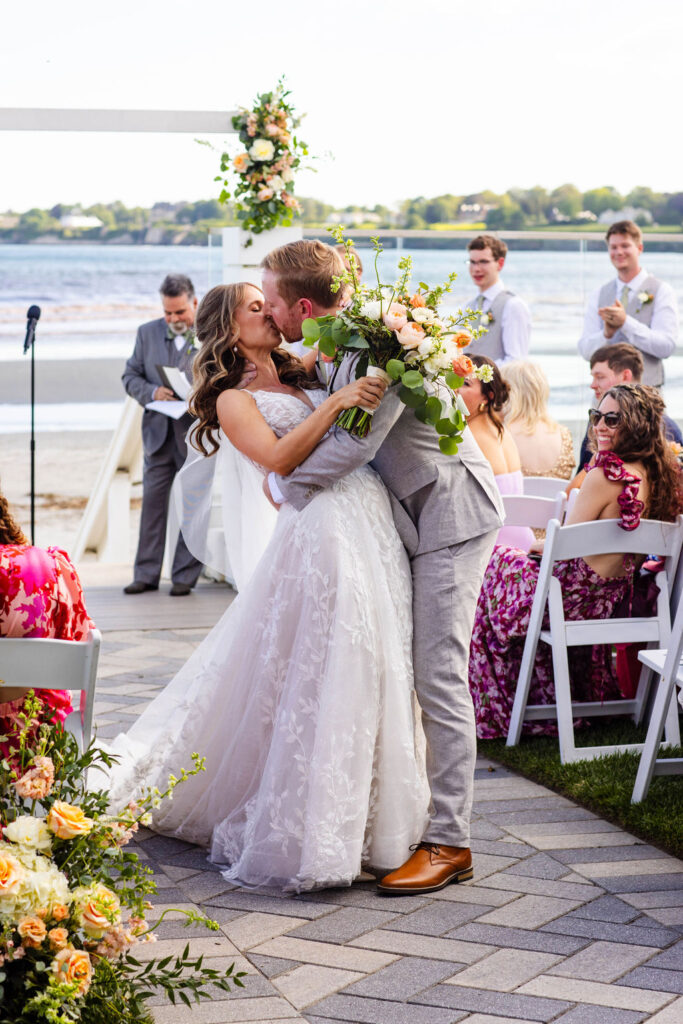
(262, 149)
(372, 309)
(423, 315)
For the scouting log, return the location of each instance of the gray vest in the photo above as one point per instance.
(491, 343)
(653, 369)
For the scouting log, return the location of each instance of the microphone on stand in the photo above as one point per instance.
(32, 318)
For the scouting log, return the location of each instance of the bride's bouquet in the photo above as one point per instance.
(401, 334)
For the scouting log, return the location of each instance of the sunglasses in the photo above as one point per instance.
(612, 419)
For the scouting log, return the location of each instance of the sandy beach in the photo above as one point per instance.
(67, 464)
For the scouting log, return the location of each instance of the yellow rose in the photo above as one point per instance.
(11, 874)
(262, 149)
(67, 821)
(73, 965)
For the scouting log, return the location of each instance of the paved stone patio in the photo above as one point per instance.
(569, 919)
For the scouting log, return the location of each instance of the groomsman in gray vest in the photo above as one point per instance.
(168, 341)
(636, 308)
(504, 315)
(447, 511)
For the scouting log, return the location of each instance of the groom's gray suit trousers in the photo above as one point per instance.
(446, 585)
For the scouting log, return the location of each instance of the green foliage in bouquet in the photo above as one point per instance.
(72, 898)
(260, 179)
(401, 332)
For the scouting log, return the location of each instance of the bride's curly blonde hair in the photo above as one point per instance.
(218, 366)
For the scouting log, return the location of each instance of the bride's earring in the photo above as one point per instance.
(482, 406)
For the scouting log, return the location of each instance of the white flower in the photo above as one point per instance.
(286, 174)
(42, 885)
(426, 347)
(262, 149)
(644, 297)
(372, 310)
(423, 315)
(276, 183)
(29, 831)
(484, 320)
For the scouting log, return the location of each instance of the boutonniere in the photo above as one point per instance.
(644, 298)
(192, 345)
(486, 319)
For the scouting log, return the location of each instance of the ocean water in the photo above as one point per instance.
(93, 297)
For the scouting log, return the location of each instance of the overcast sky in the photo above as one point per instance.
(403, 98)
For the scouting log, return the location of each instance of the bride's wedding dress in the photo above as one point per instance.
(300, 699)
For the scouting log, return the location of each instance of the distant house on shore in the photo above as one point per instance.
(79, 221)
(634, 213)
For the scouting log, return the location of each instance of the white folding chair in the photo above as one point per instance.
(584, 540)
(533, 511)
(669, 667)
(36, 664)
(543, 486)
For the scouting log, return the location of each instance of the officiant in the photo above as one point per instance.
(166, 342)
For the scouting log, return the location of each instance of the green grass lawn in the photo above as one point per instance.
(605, 784)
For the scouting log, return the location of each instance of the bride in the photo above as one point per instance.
(300, 698)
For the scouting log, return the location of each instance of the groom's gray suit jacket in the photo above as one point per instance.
(438, 500)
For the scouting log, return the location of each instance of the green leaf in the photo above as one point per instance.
(327, 347)
(395, 368)
(412, 379)
(445, 426)
(434, 409)
(449, 445)
(355, 341)
(310, 330)
(424, 287)
(453, 380)
(421, 414)
(412, 397)
(340, 332)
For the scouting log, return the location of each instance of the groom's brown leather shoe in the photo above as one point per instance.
(431, 867)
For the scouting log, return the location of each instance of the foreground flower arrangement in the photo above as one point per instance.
(72, 899)
(401, 334)
(261, 177)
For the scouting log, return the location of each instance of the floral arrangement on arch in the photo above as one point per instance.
(72, 898)
(401, 333)
(260, 179)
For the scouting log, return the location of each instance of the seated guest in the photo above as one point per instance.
(40, 596)
(545, 447)
(620, 363)
(634, 474)
(485, 403)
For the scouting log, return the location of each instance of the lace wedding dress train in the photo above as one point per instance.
(300, 699)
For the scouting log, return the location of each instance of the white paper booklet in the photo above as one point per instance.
(173, 409)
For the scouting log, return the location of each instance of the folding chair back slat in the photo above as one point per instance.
(535, 512)
(40, 664)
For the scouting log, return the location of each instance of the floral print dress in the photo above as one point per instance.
(502, 621)
(40, 596)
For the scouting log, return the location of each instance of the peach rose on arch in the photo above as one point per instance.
(58, 938)
(11, 874)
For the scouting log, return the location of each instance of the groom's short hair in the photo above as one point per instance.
(306, 270)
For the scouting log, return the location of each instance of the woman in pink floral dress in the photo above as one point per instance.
(634, 475)
(40, 596)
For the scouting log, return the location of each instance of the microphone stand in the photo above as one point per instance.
(33, 442)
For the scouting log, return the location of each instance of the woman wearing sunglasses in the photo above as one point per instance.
(633, 474)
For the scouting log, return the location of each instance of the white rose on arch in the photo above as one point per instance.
(262, 149)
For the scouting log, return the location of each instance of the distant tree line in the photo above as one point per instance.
(189, 223)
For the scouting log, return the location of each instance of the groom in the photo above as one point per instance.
(447, 511)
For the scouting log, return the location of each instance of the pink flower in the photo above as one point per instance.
(290, 202)
(264, 194)
(410, 335)
(272, 129)
(396, 316)
(463, 365)
(37, 782)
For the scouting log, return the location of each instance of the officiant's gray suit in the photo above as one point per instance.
(447, 510)
(165, 451)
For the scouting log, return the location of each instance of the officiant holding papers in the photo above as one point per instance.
(156, 375)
